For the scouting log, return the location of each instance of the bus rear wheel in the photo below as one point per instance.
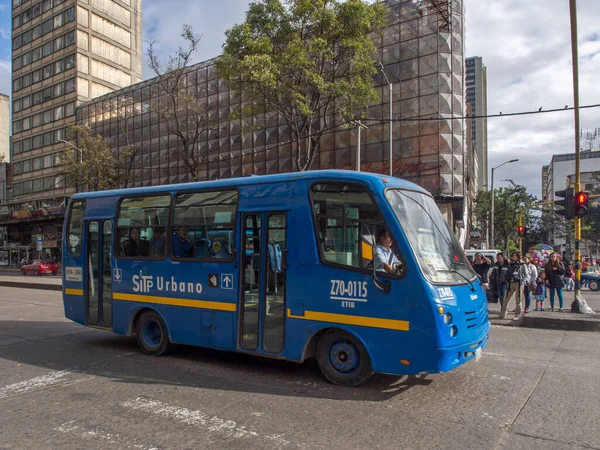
(593, 285)
(152, 335)
(343, 359)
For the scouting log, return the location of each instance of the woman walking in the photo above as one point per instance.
(554, 269)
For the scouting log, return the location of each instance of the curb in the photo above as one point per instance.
(588, 324)
(23, 285)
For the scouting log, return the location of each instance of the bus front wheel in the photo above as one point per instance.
(343, 359)
(152, 335)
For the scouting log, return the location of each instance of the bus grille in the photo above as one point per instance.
(476, 318)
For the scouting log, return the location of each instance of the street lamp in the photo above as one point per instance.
(76, 148)
(360, 126)
(491, 243)
(391, 109)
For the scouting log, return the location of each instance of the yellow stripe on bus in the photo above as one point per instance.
(70, 291)
(373, 322)
(221, 306)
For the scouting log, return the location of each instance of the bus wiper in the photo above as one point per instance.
(459, 274)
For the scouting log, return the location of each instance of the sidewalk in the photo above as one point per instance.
(44, 282)
(553, 320)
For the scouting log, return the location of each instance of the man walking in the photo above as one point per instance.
(517, 278)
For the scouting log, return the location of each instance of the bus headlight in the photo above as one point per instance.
(453, 331)
(447, 318)
(441, 310)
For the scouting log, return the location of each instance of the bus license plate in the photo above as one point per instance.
(478, 354)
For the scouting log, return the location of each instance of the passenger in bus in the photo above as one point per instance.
(157, 250)
(134, 246)
(182, 247)
(384, 255)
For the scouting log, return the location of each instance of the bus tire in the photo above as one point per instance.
(343, 359)
(593, 285)
(152, 334)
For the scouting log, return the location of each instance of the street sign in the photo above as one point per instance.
(39, 242)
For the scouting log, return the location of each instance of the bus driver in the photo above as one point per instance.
(384, 255)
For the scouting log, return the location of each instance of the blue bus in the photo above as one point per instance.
(358, 270)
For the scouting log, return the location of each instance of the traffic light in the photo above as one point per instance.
(522, 231)
(568, 203)
(581, 204)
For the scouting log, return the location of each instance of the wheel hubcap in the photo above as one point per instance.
(343, 357)
(151, 334)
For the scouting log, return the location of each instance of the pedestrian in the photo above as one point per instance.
(499, 278)
(481, 266)
(540, 291)
(584, 265)
(554, 271)
(530, 281)
(570, 277)
(517, 274)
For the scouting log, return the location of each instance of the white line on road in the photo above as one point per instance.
(35, 384)
(199, 419)
(81, 431)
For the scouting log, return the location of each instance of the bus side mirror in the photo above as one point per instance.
(382, 285)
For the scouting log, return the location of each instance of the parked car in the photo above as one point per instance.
(40, 267)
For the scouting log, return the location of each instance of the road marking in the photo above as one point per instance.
(494, 354)
(81, 431)
(36, 384)
(202, 420)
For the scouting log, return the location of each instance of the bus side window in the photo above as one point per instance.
(141, 225)
(75, 228)
(348, 223)
(203, 225)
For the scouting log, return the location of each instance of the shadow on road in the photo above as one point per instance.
(63, 346)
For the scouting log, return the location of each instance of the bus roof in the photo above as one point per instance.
(310, 175)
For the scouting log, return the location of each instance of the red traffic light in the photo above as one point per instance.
(521, 230)
(581, 204)
(582, 198)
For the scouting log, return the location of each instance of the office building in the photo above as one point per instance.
(476, 83)
(63, 52)
(422, 53)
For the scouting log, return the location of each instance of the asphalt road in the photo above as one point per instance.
(68, 387)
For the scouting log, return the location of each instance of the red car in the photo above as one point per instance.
(40, 267)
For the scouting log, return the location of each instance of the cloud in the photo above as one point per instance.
(4, 34)
(530, 42)
(163, 20)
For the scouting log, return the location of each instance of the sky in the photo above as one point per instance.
(524, 44)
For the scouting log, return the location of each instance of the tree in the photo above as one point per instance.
(95, 166)
(178, 106)
(507, 204)
(304, 60)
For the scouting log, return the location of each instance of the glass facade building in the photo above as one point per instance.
(422, 53)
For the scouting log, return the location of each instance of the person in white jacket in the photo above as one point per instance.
(532, 275)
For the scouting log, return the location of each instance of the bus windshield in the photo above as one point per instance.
(438, 252)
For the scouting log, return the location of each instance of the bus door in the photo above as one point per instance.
(263, 282)
(98, 294)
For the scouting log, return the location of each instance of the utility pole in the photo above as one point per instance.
(575, 57)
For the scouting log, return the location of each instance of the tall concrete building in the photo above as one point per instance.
(63, 52)
(476, 83)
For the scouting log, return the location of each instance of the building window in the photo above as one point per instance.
(27, 166)
(59, 113)
(48, 160)
(70, 85)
